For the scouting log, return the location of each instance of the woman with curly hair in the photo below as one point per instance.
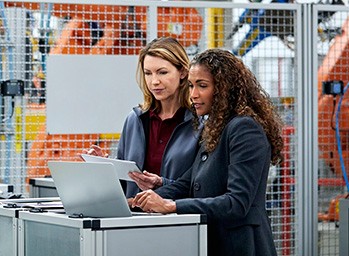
(228, 179)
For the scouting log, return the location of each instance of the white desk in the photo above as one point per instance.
(170, 235)
(9, 229)
(42, 187)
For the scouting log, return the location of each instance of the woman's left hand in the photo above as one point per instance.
(149, 201)
(146, 180)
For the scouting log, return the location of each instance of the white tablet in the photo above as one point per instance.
(123, 167)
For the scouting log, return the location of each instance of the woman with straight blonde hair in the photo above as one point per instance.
(158, 134)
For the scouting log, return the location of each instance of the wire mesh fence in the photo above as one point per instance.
(264, 36)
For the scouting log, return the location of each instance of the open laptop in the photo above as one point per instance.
(89, 189)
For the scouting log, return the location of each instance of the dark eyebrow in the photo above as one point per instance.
(201, 80)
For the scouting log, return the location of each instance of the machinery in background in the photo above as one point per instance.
(279, 23)
(264, 23)
(334, 68)
(90, 29)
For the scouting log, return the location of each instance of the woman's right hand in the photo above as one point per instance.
(146, 180)
(149, 201)
(95, 151)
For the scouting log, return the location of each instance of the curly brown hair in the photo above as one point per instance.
(237, 92)
(169, 49)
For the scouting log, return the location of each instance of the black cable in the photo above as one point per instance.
(333, 114)
(12, 110)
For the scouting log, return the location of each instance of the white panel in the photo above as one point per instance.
(90, 93)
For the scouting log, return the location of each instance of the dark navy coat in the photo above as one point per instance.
(229, 187)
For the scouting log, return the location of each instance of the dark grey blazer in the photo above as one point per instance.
(183, 145)
(229, 186)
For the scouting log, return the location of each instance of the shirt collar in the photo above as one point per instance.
(178, 116)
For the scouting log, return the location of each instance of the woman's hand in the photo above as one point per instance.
(146, 180)
(149, 201)
(95, 151)
(129, 201)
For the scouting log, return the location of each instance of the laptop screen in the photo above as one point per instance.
(89, 189)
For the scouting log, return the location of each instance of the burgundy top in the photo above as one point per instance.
(160, 132)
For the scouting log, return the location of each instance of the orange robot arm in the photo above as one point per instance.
(334, 67)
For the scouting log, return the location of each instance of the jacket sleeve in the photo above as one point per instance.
(177, 189)
(122, 141)
(166, 181)
(249, 159)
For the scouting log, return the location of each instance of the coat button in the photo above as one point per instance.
(204, 157)
(197, 186)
